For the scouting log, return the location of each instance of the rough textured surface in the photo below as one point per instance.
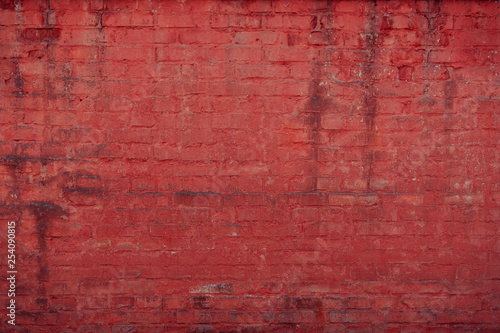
(248, 166)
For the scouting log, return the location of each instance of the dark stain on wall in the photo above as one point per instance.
(44, 213)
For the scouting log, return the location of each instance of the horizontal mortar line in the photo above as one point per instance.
(16, 158)
(270, 196)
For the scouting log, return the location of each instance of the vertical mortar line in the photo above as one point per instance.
(326, 62)
(318, 103)
(14, 162)
(41, 219)
(429, 45)
(449, 90)
(100, 43)
(19, 93)
(369, 99)
(17, 77)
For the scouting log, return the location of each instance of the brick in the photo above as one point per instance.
(260, 38)
(204, 37)
(289, 54)
(41, 34)
(259, 6)
(251, 54)
(76, 18)
(177, 20)
(122, 302)
(127, 20)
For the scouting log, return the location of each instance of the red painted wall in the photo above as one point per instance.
(251, 166)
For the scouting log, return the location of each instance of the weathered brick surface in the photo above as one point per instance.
(251, 166)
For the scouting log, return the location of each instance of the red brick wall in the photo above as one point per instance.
(247, 166)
